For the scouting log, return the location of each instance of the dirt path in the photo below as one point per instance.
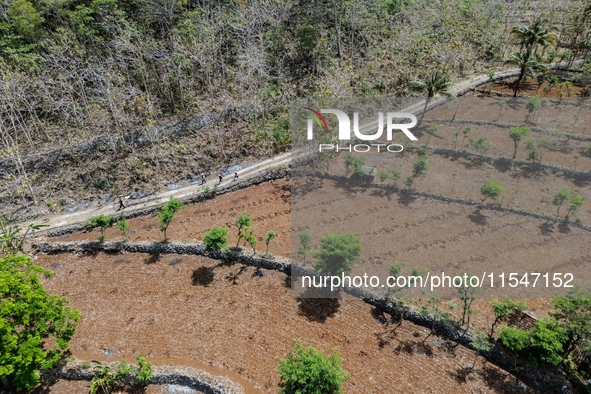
(158, 199)
(94, 209)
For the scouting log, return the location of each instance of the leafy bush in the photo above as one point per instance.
(308, 371)
(271, 235)
(122, 225)
(28, 317)
(166, 214)
(143, 373)
(503, 311)
(101, 221)
(216, 238)
(242, 222)
(542, 344)
(353, 164)
(338, 253)
(560, 197)
(517, 134)
(491, 189)
(10, 240)
(109, 378)
(305, 238)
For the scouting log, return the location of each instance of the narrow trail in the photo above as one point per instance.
(68, 219)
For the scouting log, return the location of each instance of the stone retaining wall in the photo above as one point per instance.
(393, 189)
(532, 375)
(234, 186)
(577, 137)
(157, 378)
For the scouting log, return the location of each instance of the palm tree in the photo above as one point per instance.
(528, 63)
(536, 34)
(436, 83)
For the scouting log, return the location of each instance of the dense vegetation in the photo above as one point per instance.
(28, 318)
(73, 70)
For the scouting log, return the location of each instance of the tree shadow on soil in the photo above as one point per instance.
(154, 258)
(461, 375)
(546, 228)
(502, 167)
(305, 186)
(203, 276)
(318, 309)
(406, 199)
(477, 217)
(411, 347)
(233, 277)
(492, 377)
(564, 227)
(287, 281)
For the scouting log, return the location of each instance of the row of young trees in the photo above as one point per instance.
(550, 341)
(215, 239)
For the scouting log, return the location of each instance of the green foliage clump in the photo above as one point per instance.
(166, 214)
(10, 241)
(419, 168)
(338, 253)
(353, 164)
(431, 131)
(517, 134)
(101, 221)
(560, 197)
(305, 238)
(108, 378)
(243, 222)
(503, 311)
(542, 344)
(216, 238)
(491, 189)
(481, 146)
(271, 235)
(28, 318)
(122, 225)
(576, 202)
(143, 374)
(308, 371)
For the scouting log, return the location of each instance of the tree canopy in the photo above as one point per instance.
(28, 317)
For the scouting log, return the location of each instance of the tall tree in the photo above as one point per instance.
(528, 63)
(436, 83)
(28, 317)
(536, 34)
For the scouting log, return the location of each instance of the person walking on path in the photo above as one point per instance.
(121, 206)
(221, 178)
(203, 179)
(235, 175)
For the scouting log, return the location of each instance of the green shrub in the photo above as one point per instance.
(271, 235)
(308, 371)
(166, 214)
(216, 238)
(542, 344)
(101, 221)
(28, 318)
(491, 189)
(122, 225)
(242, 222)
(338, 253)
(143, 374)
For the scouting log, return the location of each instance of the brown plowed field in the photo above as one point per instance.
(234, 319)
(438, 236)
(457, 177)
(269, 204)
(531, 88)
